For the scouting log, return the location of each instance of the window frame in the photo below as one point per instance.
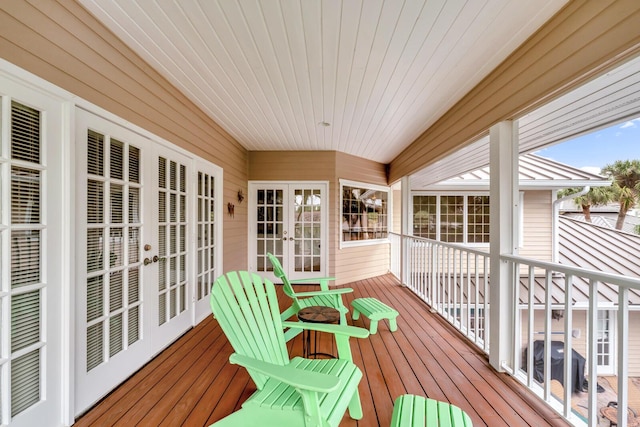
(465, 224)
(389, 210)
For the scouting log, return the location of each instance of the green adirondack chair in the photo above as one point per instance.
(290, 392)
(325, 296)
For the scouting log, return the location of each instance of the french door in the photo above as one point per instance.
(133, 226)
(289, 220)
(605, 346)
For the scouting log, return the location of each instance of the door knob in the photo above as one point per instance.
(147, 261)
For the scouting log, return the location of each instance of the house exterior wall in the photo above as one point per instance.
(65, 45)
(537, 218)
(358, 262)
(346, 264)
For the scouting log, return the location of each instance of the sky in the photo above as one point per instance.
(593, 151)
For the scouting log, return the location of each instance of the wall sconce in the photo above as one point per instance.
(230, 209)
(240, 196)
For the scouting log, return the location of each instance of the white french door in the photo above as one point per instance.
(133, 227)
(289, 220)
(605, 346)
(208, 253)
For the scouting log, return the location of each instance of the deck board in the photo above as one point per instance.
(191, 383)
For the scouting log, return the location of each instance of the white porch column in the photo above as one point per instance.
(504, 200)
(404, 226)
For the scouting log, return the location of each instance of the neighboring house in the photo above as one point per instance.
(456, 211)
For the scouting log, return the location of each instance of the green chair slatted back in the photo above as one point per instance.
(278, 271)
(324, 297)
(246, 306)
(296, 392)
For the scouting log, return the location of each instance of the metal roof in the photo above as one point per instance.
(535, 172)
(590, 246)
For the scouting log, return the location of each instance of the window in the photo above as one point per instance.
(365, 209)
(460, 218)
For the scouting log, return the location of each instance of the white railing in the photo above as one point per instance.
(552, 304)
(453, 279)
(561, 297)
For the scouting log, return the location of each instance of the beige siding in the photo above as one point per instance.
(634, 344)
(350, 263)
(62, 43)
(582, 40)
(356, 263)
(397, 211)
(537, 216)
(362, 262)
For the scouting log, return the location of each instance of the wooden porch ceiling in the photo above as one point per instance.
(191, 383)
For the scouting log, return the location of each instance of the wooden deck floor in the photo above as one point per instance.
(191, 383)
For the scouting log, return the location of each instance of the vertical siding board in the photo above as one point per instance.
(537, 231)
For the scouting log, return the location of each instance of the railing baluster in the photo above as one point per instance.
(515, 279)
(547, 335)
(592, 353)
(531, 314)
(623, 355)
(476, 300)
(487, 324)
(568, 344)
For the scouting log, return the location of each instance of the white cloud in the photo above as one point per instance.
(630, 124)
(618, 133)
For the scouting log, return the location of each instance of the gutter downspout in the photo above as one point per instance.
(554, 221)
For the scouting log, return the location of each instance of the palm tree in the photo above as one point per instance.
(597, 196)
(626, 185)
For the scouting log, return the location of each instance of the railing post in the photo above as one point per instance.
(503, 141)
(405, 212)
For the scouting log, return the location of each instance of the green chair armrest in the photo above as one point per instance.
(298, 378)
(323, 281)
(337, 291)
(313, 280)
(350, 331)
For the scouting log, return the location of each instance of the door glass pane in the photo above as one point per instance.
(22, 342)
(206, 251)
(604, 338)
(172, 230)
(307, 223)
(113, 214)
(269, 225)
